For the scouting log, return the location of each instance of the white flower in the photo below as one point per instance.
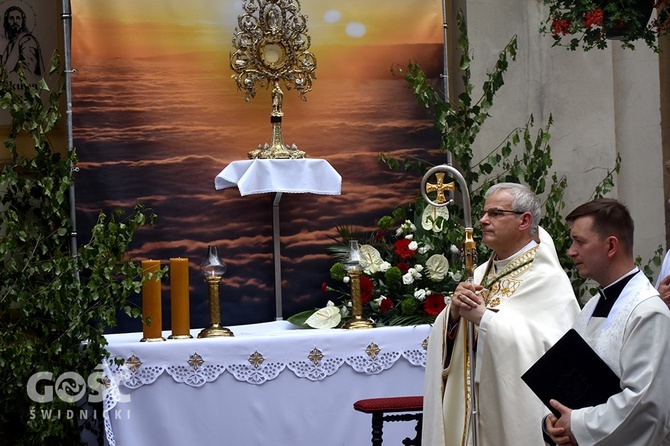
(346, 279)
(420, 295)
(371, 259)
(415, 272)
(425, 248)
(408, 278)
(456, 277)
(398, 232)
(410, 237)
(384, 266)
(327, 317)
(406, 228)
(437, 266)
(413, 245)
(433, 218)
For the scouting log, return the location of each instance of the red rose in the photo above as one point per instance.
(366, 289)
(433, 304)
(403, 267)
(402, 248)
(385, 305)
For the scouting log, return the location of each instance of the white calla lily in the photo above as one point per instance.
(433, 217)
(371, 259)
(327, 317)
(437, 267)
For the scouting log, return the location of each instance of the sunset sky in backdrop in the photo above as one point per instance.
(157, 117)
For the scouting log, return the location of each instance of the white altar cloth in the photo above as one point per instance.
(270, 384)
(315, 176)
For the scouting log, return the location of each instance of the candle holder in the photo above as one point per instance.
(352, 265)
(213, 269)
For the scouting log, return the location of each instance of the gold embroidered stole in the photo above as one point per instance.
(500, 287)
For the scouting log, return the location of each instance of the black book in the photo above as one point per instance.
(573, 374)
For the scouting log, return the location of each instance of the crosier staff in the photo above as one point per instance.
(468, 259)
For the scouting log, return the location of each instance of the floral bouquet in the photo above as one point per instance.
(408, 273)
(590, 23)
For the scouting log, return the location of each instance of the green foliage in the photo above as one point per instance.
(589, 24)
(652, 264)
(55, 301)
(521, 157)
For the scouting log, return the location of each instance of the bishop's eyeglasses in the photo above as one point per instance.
(496, 212)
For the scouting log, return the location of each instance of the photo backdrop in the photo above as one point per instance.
(156, 116)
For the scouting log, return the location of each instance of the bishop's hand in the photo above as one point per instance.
(467, 303)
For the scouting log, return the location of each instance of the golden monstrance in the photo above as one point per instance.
(272, 48)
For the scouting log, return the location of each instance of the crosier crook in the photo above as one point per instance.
(468, 260)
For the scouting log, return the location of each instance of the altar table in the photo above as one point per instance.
(270, 384)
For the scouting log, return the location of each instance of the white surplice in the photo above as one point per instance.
(530, 309)
(634, 341)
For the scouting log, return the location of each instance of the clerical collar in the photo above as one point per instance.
(499, 264)
(611, 293)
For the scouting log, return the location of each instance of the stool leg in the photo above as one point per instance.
(377, 426)
(416, 441)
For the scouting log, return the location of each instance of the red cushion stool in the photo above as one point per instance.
(402, 408)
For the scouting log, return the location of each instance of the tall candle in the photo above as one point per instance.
(179, 299)
(151, 301)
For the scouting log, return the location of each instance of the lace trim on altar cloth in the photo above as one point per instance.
(197, 371)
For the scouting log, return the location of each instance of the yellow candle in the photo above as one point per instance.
(151, 301)
(179, 299)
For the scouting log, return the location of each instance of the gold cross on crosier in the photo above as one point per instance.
(440, 188)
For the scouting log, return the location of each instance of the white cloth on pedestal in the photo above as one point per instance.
(315, 176)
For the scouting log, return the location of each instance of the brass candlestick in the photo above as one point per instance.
(353, 266)
(213, 269)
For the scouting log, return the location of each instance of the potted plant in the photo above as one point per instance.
(591, 23)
